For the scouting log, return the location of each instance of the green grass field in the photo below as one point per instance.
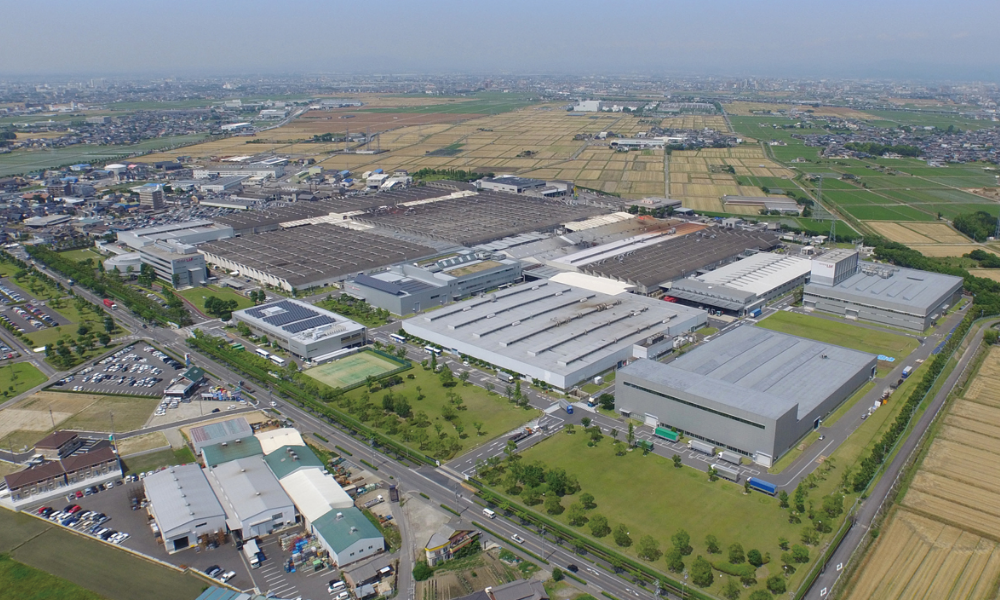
(16, 378)
(130, 413)
(650, 496)
(153, 460)
(352, 369)
(83, 254)
(199, 295)
(87, 563)
(21, 582)
(26, 161)
(840, 333)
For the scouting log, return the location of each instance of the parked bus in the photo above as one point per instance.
(277, 360)
(397, 338)
(432, 350)
(262, 353)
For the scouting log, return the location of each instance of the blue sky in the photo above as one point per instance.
(939, 40)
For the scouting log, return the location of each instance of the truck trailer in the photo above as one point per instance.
(763, 486)
(730, 457)
(110, 304)
(702, 447)
(907, 371)
(566, 406)
(726, 472)
(251, 551)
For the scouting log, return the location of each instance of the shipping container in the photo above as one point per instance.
(702, 447)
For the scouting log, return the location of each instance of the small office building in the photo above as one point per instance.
(182, 503)
(752, 391)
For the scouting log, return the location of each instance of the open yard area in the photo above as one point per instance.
(352, 369)
(16, 378)
(841, 333)
(153, 460)
(443, 421)
(199, 295)
(943, 535)
(19, 581)
(88, 563)
(35, 417)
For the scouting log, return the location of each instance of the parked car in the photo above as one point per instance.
(227, 576)
(213, 570)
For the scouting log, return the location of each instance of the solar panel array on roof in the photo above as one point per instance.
(292, 313)
(308, 324)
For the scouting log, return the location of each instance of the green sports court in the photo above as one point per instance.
(352, 369)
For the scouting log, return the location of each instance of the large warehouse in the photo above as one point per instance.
(406, 289)
(752, 391)
(652, 266)
(556, 333)
(254, 501)
(883, 294)
(183, 505)
(745, 285)
(310, 255)
(303, 329)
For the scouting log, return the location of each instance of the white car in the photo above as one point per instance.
(517, 538)
(227, 576)
(273, 403)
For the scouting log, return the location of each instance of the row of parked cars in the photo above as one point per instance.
(219, 573)
(9, 295)
(90, 521)
(163, 357)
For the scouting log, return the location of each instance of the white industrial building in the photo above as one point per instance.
(302, 329)
(751, 390)
(183, 506)
(884, 294)
(315, 493)
(170, 249)
(273, 439)
(556, 333)
(254, 501)
(587, 106)
(746, 285)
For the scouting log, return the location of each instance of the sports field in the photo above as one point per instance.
(352, 369)
(840, 333)
(942, 540)
(88, 563)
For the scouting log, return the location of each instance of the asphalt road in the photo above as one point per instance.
(877, 495)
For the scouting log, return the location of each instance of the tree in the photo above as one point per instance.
(809, 535)
(607, 401)
(598, 525)
(577, 517)
(478, 426)
(682, 541)
(422, 572)
(552, 505)
(833, 505)
(783, 543)
(759, 595)
(531, 496)
(800, 498)
(776, 583)
(631, 434)
(109, 324)
(783, 499)
(754, 557)
(800, 554)
(736, 555)
(509, 392)
(104, 339)
(464, 377)
(517, 389)
(587, 500)
(677, 460)
(713, 475)
(557, 574)
(649, 548)
(712, 544)
(447, 379)
(622, 537)
(701, 572)
(585, 422)
(675, 560)
(732, 590)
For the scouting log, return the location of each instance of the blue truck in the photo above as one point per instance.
(566, 406)
(763, 486)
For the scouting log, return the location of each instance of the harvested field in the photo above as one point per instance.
(917, 557)
(939, 232)
(897, 233)
(939, 250)
(716, 122)
(318, 122)
(142, 443)
(993, 274)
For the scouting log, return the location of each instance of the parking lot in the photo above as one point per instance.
(138, 370)
(271, 577)
(116, 505)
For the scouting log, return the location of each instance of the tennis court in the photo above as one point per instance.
(352, 369)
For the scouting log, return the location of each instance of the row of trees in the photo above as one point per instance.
(978, 225)
(876, 149)
(107, 285)
(217, 307)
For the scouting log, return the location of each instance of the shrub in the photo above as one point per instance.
(422, 572)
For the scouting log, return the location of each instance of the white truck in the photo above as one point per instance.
(251, 551)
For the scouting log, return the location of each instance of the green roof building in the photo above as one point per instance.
(348, 535)
(288, 459)
(216, 454)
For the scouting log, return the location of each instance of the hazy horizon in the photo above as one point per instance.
(849, 39)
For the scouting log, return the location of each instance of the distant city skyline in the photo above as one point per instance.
(845, 39)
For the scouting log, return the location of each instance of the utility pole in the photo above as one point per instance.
(52, 418)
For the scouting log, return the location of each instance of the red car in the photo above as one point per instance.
(42, 509)
(75, 509)
(79, 494)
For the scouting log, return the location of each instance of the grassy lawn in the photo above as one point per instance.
(593, 388)
(163, 458)
(27, 583)
(16, 378)
(198, 295)
(495, 412)
(71, 317)
(83, 254)
(650, 496)
(85, 562)
(840, 333)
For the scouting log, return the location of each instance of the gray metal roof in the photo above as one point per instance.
(554, 326)
(181, 495)
(759, 371)
(892, 288)
(250, 486)
(712, 294)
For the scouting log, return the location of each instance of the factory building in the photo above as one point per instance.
(510, 184)
(304, 330)
(883, 294)
(744, 286)
(348, 535)
(257, 171)
(751, 391)
(406, 289)
(254, 501)
(170, 249)
(637, 143)
(216, 433)
(182, 503)
(556, 333)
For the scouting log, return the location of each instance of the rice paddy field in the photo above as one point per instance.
(698, 177)
(698, 122)
(942, 542)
